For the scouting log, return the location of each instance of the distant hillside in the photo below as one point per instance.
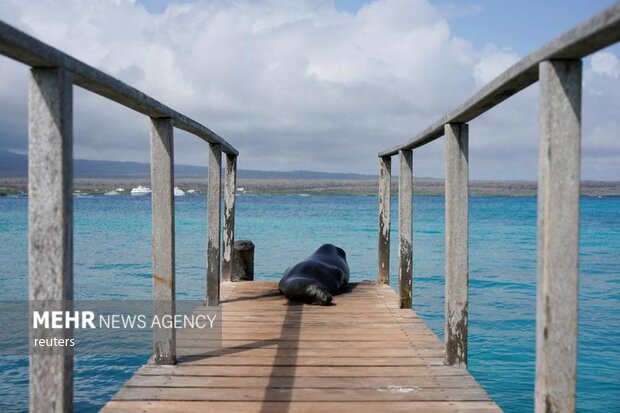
(13, 165)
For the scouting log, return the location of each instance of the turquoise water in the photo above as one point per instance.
(112, 261)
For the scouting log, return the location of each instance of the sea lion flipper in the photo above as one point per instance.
(318, 295)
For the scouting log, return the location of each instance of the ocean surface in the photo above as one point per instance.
(112, 261)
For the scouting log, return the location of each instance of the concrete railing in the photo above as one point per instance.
(50, 203)
(557, 65)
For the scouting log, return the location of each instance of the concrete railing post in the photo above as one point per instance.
(558, 235)
(405, 228)
(456, 247)
(214, 218)
(229, 215)
(162, 181)
(50, 228)
(385, 193)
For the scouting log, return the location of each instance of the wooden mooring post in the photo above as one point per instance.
(50, 229)
(558, 235)
(162, 181)
(456, 244)
(405, 228)
(385, 204)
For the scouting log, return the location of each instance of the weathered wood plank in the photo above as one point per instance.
(318, 326)
(311, 344)
(405, 228)
(387, 393)
(558, 235)
(295, 360)
(446, 382)
(456, 258)
(50, 228)
(301, 407)
(214, 219)
(162, 182)
(230, 185)
(326, 336)
(385, 194)
(269, 352)
(305, 371)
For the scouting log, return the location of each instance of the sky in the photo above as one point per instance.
(315, 84)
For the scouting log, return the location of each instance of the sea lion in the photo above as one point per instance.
(318, 277)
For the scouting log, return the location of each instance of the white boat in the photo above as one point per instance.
(111, 193)
(140, 190)
(191, 191)
(120, 189)
(178, 191)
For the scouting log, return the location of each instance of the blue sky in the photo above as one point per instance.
(315, 84)
(523, 25)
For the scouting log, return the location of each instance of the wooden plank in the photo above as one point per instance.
(456, 253)
(301, 407)
(273, 318)
(214, 219)
(162, 182)
(597, 32)
(238, 318)
(230, 186)
(50, 229)
(405, 228)
(320, 326)
(445, 382)
(313, 336)
(315, 344)
(305, 371)
(308, 335)
(321, 360)
(558, 235)
(387, 393)
(385, 194)
(239, 309)
(269, 352)
(349, 339)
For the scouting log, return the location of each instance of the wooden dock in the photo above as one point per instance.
(363, 354)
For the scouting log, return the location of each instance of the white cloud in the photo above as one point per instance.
(605, 63)
(493, 61)
(601, 123)
(293, 85)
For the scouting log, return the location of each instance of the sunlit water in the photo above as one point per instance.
(112, 261)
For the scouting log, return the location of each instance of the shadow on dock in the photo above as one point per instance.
(284, 391)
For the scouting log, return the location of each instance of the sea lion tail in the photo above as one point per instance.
(318, 295)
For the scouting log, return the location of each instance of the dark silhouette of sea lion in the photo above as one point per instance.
(318, 277)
